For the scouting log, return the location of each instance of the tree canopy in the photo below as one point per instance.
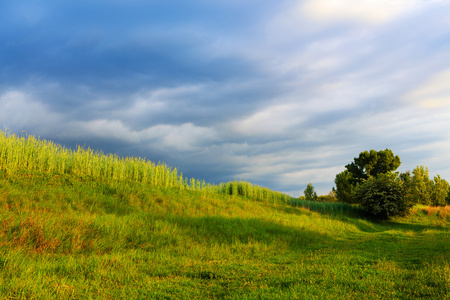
(372, 163)
(369, 164)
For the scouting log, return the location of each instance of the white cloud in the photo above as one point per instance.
(276, 119)
(107, 129)
(287, 165)
(362, 11)
(147, 104)
(317, 57)
(19, 111)
(185, 137)
(433, 155)
(313, 175)
(435, 93)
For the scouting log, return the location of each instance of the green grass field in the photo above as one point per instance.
(83, 225)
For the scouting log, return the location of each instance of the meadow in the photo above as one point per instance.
(79, 224)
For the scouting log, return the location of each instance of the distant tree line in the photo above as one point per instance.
(371, 181)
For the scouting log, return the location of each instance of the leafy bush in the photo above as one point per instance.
(383, 196)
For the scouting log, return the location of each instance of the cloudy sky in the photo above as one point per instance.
(279, 93)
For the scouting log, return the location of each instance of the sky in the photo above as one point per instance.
(278, 93)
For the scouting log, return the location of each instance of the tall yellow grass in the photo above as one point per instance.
(26, 153)
(30, 154)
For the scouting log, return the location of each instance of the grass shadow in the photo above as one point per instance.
(329, 208)
(357, 216)
(222, 230)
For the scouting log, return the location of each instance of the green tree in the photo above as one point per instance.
(383, 196)
(440, 191)
(406, 180)
(422, 186)
(371, 163)
(344, 187)
(309, 192)
(423, 190)
(367, 165)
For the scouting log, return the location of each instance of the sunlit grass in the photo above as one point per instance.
(29, 155)
(70, 233)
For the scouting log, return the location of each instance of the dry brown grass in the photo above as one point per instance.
(445, 212)
(432, 210)
(439, 211)
(36, 234)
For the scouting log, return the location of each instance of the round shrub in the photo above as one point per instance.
(383, 196)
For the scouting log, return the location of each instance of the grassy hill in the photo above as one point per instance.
(84, 225)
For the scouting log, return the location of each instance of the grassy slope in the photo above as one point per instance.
(78, 237)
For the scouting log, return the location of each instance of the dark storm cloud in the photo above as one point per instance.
(71, 55)
(86, 41)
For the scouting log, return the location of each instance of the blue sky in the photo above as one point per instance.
(278, 93)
